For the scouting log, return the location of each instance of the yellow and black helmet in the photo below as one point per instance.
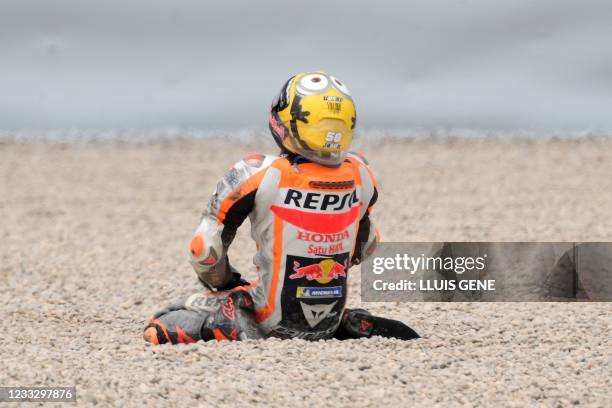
(314, 117)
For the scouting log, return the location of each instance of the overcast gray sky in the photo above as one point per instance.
(543, 64)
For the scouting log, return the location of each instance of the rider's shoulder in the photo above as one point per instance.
(255, 161)
(359, 156)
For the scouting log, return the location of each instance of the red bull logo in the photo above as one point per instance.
(323, 272)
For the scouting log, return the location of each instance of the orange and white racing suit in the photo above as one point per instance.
(310, 224)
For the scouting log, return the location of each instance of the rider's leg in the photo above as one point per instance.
(358, 323)
(212, 316)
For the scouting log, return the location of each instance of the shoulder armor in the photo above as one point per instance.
(257, 160)
(359, 156)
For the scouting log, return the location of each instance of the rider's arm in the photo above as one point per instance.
(367, 234)
(229, 206)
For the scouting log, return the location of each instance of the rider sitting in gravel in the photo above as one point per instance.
(309, 209)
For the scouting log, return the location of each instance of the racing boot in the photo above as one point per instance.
(178, 326)
(359, 323)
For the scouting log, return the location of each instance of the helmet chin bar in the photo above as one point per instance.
(313, 117)
(317, 157)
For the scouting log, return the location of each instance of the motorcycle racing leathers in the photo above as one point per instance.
(310, 224)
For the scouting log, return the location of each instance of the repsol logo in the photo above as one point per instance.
(321, 201)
